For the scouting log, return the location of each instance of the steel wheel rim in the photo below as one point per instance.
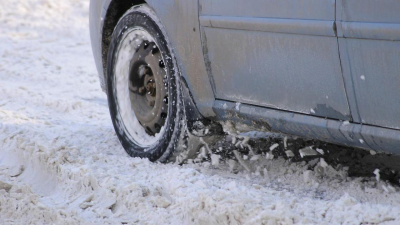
(149, 87)
(141, 81)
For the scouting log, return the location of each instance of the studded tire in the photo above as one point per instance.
(143, 86)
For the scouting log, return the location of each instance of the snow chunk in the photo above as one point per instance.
(307, 151)
(234, 140)
(320, 151)
(242, 162)
(285, 142)
(203, 152)
(254, 157)
(362, 77)
(237, 106)
(289, 153)
(269, 156)
(377, 175)
(215, 159)
(323, 163)
(273, 147)
(232, 166)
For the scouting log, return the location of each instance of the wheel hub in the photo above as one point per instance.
(149, 87)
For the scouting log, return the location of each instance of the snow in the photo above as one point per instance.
(323, 163)
(345, 123)
(61, 162)
(308, 176)
(320, 151)
(237, 106)
(289, 153)
(255, 158)
(215, 159)
(285, 142)
(307, 151)
(269, 156)
(273, 147)
(377, 175)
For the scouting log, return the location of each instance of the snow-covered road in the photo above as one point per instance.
(61, 162)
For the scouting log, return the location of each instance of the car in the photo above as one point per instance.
(320, 69)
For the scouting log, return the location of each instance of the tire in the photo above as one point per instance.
(141, 71)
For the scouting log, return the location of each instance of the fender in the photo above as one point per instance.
(183, 32)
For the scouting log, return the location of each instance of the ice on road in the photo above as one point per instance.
(61, 162)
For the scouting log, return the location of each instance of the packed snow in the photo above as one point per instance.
(61, 162)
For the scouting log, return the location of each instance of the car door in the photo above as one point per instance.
(369, 41)
(280, 54)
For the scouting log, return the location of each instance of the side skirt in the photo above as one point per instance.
(311, 127)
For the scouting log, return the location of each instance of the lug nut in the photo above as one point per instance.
(155, 50)
(161, 64)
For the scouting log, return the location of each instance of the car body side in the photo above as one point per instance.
(186, 23)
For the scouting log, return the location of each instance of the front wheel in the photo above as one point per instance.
(143, 86)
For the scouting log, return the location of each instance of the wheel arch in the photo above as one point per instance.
(114, 11)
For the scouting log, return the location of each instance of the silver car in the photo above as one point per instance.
(320, 69)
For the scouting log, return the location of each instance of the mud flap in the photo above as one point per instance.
(197, 132)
